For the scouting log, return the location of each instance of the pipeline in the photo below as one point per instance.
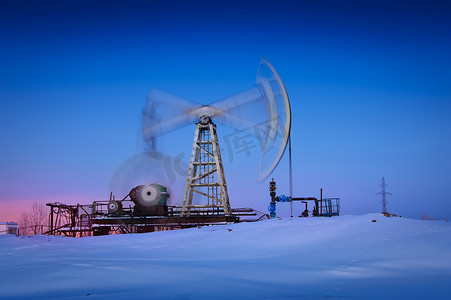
(317, 210)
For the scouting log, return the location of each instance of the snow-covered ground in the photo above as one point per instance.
(346, 257)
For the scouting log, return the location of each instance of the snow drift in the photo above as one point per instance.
(346, 257)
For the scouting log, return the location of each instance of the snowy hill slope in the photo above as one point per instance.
(347, 257)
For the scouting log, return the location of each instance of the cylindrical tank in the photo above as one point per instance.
(147, 196)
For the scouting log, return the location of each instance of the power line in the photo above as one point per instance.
(383, 192)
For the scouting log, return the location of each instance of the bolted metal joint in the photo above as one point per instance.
(205, 120)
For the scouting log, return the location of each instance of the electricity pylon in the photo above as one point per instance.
(383, 193)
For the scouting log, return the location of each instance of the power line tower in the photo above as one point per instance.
(383, 193)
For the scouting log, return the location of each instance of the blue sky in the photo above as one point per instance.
(369, 84)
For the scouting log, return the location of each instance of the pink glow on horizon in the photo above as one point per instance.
(11, 210)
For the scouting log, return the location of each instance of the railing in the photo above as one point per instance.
(33, 230)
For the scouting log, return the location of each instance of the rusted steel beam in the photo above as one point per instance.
(191, 220)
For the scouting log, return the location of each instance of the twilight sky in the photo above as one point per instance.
(369, 84)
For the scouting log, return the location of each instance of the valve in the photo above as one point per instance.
(284, 198)
(272, 210)
(272, 204)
